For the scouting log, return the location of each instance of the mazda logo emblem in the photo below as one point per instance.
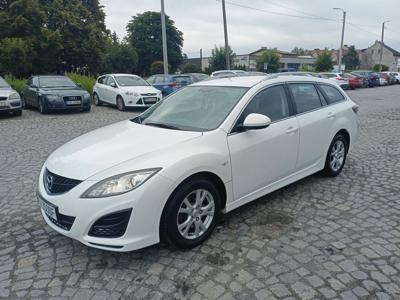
(49, 181)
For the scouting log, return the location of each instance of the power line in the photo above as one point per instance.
(300, 11)
(278, 13)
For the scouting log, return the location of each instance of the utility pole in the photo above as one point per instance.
(164, 38)
(381, 54)
(201, 59)
(341, 41)
(227, 52)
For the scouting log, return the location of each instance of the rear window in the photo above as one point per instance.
(184, 80)
(305, 96)
(332, 94)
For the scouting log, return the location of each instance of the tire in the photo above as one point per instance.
(17, 113)
(24, 104)
(97, 101)
(43, 107)
(336, 156)
(87, 109)
(177, 212)
(120, 103)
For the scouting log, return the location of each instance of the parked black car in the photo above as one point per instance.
(51, 92)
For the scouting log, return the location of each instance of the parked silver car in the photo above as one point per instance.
(10, 101)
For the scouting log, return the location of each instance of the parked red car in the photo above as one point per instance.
(354, 80)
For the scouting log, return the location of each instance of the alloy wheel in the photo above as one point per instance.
(337, 155)
(196, 214)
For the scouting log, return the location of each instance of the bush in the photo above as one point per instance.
(157, 67)
(16, 84)
(384, 68)
(191, 68)
(86, 82)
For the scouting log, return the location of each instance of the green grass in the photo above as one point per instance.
(16, 84)
(86, 82)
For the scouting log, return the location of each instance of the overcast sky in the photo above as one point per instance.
(249, 29)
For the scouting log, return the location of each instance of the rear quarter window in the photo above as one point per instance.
(332, 94)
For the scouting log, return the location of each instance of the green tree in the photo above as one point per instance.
(218, 58)
(191, 68)
(298, 51)
(121, 58)
(324, 62)
(350, 59)
(14, 56)
(270, 57)
(384, 68)
(144, 33)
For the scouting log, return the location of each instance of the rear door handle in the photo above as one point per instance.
(291, 130)
(331, 115)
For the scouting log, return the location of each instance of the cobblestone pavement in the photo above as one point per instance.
(318, 238)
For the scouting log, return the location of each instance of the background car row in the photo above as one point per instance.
(59, 93)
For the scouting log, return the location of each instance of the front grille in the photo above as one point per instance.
(149, 94)
(72, 98)
(64, 222)
(3, 98)
(112, 225)
(56, 184)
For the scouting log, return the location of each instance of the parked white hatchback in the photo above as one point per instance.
(169, 173)
(125, 90)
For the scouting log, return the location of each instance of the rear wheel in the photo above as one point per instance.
(97, 101)
(120, 103)
(191, 214)
(336, 156)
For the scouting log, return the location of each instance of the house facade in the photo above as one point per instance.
(370, 57)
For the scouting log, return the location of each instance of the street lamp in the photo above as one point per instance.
(341, 41)
(380, 56)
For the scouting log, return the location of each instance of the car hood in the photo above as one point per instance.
(140, 89)
(63, 91)
(5, 92)
(109, 146)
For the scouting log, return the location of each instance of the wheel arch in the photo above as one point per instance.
(346, 135)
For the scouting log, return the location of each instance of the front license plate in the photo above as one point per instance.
(150, 100)
(3, 104)
(75, 102)
(48, 209)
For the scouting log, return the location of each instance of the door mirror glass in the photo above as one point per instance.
(256, 121)
(113, 84)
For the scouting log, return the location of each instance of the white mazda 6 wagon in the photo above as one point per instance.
(169, 173)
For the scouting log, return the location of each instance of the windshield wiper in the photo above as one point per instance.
(162, 125)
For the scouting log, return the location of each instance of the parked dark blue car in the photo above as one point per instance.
(168, 84)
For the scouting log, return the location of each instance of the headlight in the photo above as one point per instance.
(52, 97)
(86, 96)
(119, 184)
(14, 96)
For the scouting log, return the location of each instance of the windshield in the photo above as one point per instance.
(182, 80)
(3, 83)
(195, 108)
(56, 81)
(130, 81)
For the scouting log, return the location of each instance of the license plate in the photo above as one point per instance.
(48, 209)
(74, 102)
(3, 104)
(150, 100)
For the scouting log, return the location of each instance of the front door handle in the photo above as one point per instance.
(291, 130)
(331, 115)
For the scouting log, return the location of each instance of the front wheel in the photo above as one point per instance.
(120, 103)
(97, 101)
(191, 214)
(42, 107)
(336, 156)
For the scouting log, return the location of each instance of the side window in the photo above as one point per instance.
(332, 94)
(29, 82)
(160, 79)
(305, 97)
(102, 80)
(110, 80)
(271, 102)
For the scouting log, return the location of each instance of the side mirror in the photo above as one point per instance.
(113, 84)
(256, 121)
(33, 86)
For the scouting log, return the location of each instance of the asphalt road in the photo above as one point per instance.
(318, 238)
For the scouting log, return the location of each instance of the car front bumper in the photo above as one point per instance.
(10, 105)
(146, 204)
(142, 101)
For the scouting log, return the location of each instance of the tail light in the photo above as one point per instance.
(173, 84)
(355, 108)
(339, 78)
